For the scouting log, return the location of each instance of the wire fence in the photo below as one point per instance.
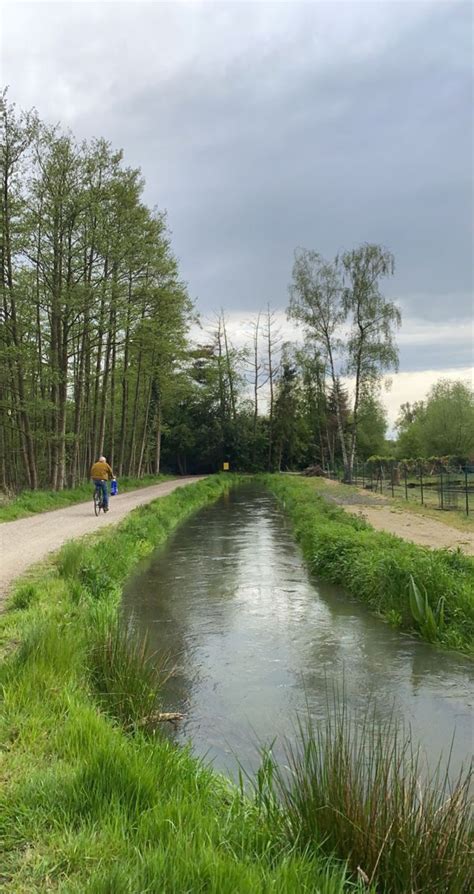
(446, 490)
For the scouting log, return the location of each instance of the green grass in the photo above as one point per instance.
(356, 786)
(378, 567)
(91, 800)
(29, 502)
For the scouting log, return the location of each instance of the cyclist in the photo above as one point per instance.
(100, 474)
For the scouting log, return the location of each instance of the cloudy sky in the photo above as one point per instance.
(262, 126)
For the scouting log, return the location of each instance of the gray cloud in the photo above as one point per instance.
(266, 126)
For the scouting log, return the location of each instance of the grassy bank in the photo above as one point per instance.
(29, 502)
(428, 592)
(93, 798)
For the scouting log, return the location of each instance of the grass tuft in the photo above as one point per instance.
(125, 677)
(356, 788)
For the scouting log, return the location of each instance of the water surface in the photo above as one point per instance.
(256, 640)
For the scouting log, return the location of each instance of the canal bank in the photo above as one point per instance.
(88, 807)
(257, 640)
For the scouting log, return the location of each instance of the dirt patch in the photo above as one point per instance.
(408, 525)
(28, 540)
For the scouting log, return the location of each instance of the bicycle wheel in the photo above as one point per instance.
(97, 502)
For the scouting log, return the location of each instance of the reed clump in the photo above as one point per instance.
(125, 677)
(358, 790)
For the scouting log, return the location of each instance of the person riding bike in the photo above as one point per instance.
(100, 474)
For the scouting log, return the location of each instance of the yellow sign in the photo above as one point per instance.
(225, 467)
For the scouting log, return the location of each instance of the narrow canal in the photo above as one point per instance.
(256, 641)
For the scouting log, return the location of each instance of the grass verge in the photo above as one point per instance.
(30, 502)
(91, 802)
(379, 568)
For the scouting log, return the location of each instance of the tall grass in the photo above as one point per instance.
(125, 677)
(381, 569)
(357, 789)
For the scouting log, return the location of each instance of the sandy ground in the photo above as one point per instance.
(424, 531)
(28, 540)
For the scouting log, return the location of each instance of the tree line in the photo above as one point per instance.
(95, 348)
(93, 312)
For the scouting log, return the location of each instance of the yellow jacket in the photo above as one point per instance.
(102, 471)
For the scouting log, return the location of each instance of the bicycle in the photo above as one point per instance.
(98, 499)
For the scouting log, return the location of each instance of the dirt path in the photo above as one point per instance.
(424, 531)
(28, 540)
(381, 515)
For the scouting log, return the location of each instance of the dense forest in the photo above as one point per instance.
(95, 347)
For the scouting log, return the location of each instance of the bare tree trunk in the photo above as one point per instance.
(105, 383)
(230, 372)
(256, 370)
(112, 402)
(145, 431)
(340, 428)
(123, 420)
(158, 441)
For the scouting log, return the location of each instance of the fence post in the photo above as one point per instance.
(421, 484)
(441, 483)
(391, 478)
(363, 474)
(467, 492)
(406, 484)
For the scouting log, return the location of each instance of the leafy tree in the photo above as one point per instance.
(372, 427)
(371, 345)
(328, 297)
(443, 425)
(94, 315)
(447, 425)
(316, 301)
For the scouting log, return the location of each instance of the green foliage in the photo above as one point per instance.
(123, 674)
(372, 427)
(96, 314)
(378, 567)
(443, 425)
(430, 623)
(356, 788)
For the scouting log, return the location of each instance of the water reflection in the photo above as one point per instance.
(256, 640)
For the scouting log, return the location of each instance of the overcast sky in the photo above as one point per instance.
(265, 126)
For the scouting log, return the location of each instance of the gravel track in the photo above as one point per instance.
(27, 541)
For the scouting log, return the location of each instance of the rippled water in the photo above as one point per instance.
(256, 641)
